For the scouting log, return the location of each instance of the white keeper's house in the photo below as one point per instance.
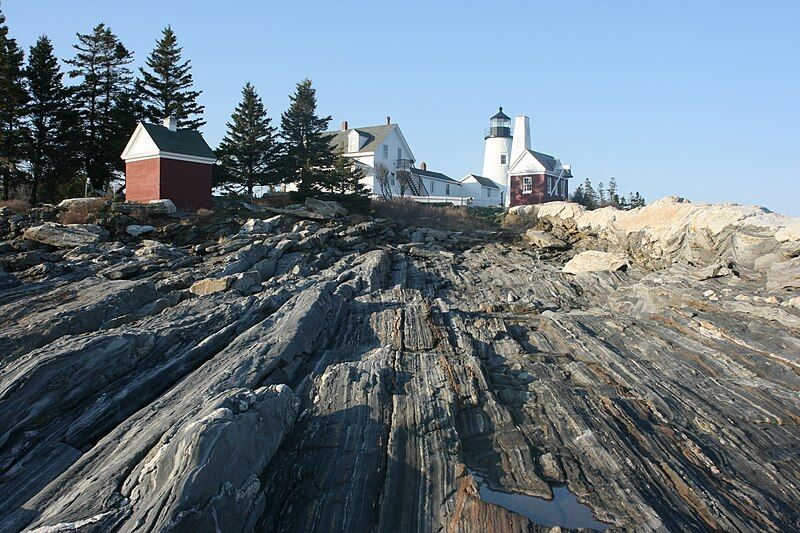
(374, 147)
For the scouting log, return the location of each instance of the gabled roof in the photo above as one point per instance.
(434, 175)
(485, 182)
(375, 136)
(530, 160)
(548, 161)
(165, 142)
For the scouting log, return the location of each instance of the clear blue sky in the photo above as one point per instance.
(697, 99)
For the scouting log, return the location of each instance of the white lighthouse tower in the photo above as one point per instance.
(497, 150)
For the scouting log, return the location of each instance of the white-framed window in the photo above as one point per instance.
(391, 179)
(352, 144)
(447, 189)
(385, 152)
(399, 153)
(503, 159)
(527, 184)
(432, 188)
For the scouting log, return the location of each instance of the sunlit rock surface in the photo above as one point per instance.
(360, 378)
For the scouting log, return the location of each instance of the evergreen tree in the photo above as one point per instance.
(613, 197)
(167, 88)
(637, 200)
(50, 153)
(103, 98)
(249, 151)
(602, 201)
(307, 155)
(346, 178)
(578, 196)
(13, 100)
(589, 194)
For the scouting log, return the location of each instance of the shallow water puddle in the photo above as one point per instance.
(563, 510)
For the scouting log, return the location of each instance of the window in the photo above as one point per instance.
(503, 159)
(432, 188)
(399, 153)
(489, 192)
(385, 152)
(447, 189)
(527, 185)
(391, 179)
(353, 144)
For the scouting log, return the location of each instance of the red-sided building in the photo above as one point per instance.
(535, 178)
(164, 162)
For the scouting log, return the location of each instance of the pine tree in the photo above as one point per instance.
(346, 178)
(307, 155)
(13, 100)
(249, 151)
(613, 197)
(103, 98)
(167, 88)
(602, 201)
(50, 152)
(578, 196)
(589, 194)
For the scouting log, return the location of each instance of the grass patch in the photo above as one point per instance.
(16, 206)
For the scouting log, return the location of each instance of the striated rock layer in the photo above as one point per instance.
(342, 377)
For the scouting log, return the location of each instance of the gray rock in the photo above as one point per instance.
(784, 275)
(136, 230)
(595, 261)
(328, 209)
(65, 235)
(542, 239)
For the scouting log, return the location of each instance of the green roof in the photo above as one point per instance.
(183, 142)
(375, 136)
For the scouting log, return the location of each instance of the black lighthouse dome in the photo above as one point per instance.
(500, 125)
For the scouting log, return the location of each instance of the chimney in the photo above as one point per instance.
(171, 123)
(423, 166)
(388, 120)
(344, 125)
(522, 137)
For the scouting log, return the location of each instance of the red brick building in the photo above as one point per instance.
(162, 161)
(535, 178)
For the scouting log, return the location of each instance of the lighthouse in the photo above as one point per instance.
(497, 149)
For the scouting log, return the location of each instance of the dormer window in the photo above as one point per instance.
(354, 141)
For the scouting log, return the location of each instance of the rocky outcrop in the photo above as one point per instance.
(289, 373)
(674, 230)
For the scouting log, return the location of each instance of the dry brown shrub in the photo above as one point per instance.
(82, 213)
(275, 199)
(204, 213)
(16, 206)
(406, 212)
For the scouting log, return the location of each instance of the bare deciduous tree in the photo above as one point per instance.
(382, 175)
